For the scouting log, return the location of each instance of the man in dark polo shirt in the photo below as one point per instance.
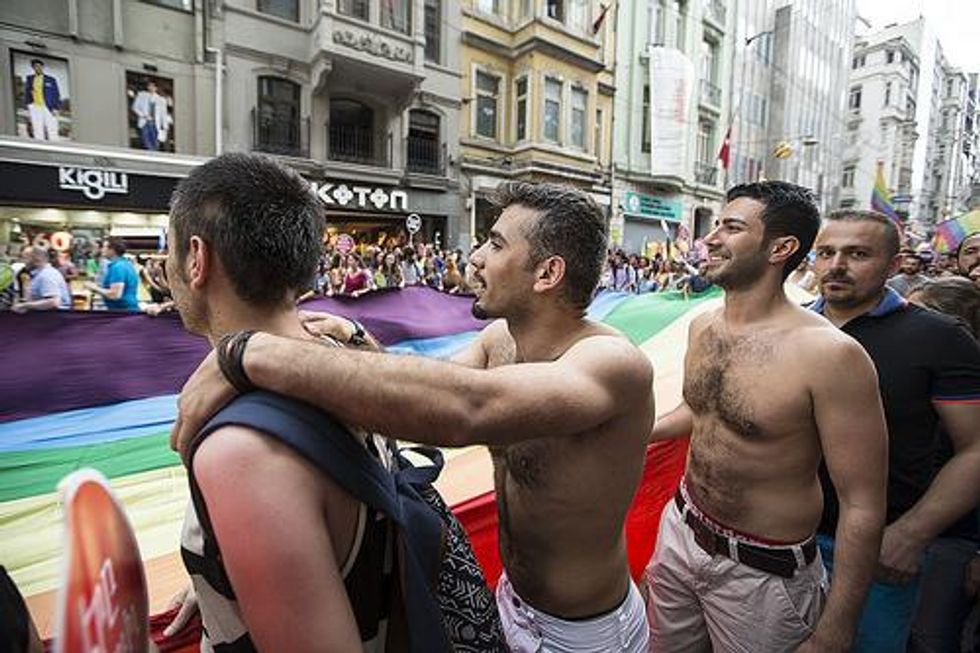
(929, 372)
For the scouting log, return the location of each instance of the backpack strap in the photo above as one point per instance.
(334, 450)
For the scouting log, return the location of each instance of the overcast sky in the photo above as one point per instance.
(955, 22)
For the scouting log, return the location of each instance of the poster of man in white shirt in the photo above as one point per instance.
(150, 100)
(42, 102)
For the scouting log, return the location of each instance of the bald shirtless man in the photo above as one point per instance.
(564, 404)
(769, 389)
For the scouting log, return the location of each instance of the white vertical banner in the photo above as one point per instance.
(672, 78)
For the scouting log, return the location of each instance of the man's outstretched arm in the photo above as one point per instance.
(854, 438)
(432, 401)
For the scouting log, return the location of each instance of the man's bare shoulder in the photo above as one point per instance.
(610, 354)
(496, 334)
(822, 347)
(245, 453)
(702, 321)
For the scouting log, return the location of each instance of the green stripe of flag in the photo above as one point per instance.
(644, 316)
(29, 473)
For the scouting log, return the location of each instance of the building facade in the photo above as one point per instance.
(362, 97)
(537, 82)
(952, 162)
(673, 98)
(881, 120)
(790, 116)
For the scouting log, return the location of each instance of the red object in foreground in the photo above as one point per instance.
(661, 475)
(102, 605)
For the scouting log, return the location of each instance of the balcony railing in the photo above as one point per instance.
(710, 94)
(425, 156)
(705, 173)
(715, 10)
(353, 144)
(276, 134)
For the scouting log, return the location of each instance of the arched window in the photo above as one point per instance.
(424, 151)
(351, 131)
(277, 124)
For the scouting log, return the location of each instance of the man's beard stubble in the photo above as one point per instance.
(738, 274)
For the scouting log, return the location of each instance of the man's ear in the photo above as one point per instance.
(549, 273)
(198, 263)
(782, 248)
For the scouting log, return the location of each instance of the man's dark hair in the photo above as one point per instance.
(116, 244)
(259, 217)
(893, 240)
(34, 61)
(570, 225)
(790, 210)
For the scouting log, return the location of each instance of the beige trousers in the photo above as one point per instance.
(698, 602)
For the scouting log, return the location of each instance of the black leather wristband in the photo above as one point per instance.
(231, 360)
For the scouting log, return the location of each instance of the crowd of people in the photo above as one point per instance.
(830, 497)
(391, 264)
(834, 466)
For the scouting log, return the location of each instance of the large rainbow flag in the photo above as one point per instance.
(950, 233)
(99, 390)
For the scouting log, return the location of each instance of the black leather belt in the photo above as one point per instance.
(778, 560)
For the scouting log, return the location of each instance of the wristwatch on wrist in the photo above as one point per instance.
(359, 337)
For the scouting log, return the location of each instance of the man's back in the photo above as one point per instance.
(278, 488)
(122, 271)
(562, 500)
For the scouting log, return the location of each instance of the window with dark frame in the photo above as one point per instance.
(552, 110)
(278, 116)
(645, 136)
(354, 8)
(487, 91)
(433, 31)
(555, 9)
(351, 132)
(423, 142)
(397, 15)
(520, 94)
(285, 9)
(580, 101)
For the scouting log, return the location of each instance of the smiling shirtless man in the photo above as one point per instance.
(769, 389)
(564, 404)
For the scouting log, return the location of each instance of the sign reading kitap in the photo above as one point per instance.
(102, 602)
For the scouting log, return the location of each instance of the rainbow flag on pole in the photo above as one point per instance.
(950, 234)
(881, 199)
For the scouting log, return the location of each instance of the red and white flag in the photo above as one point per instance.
(725, 154)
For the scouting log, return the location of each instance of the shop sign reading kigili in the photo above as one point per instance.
(93, 182)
